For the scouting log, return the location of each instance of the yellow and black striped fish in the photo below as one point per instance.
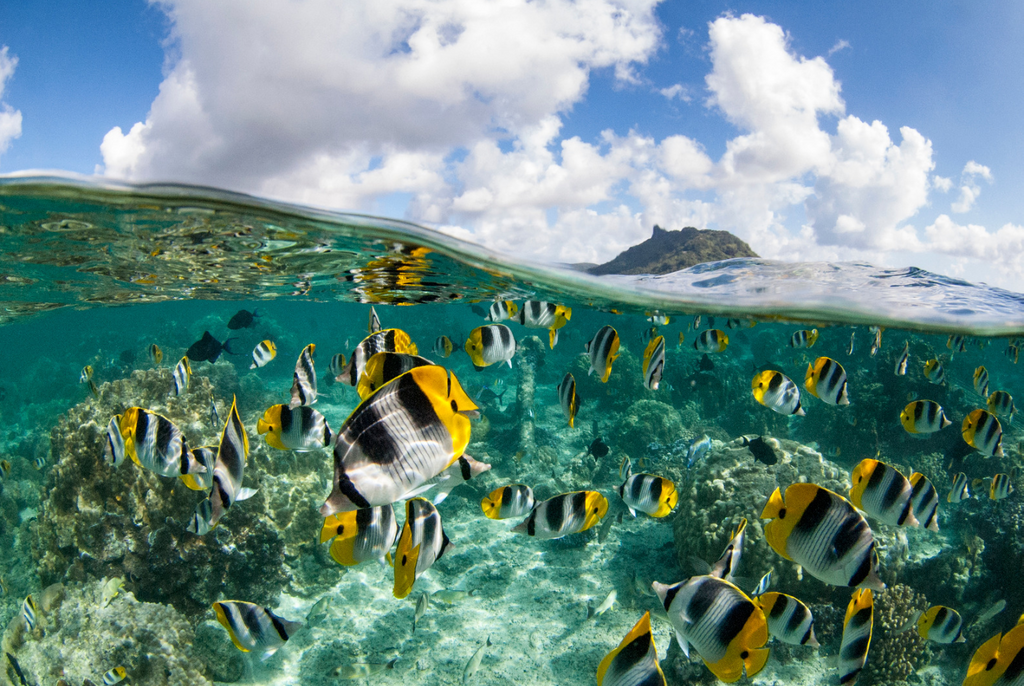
(180, 376)
(252, 627)
(883, 493)
(387, 340)
(113, 445)
(902, 360)
(537, 314)
(999, 661)
(925, 500)
(777, 392)
(505, 502)
(726, 628)
(383, 367)
(360, 535)
(564, 514)
(603, 349)
(443, 346)
(421, 543)
(804, 338)
(501, 310)
(206, 456)
(28, 613)
(400, 437)
(568, 399)
(727, 565)
(336, 365)
(654, 363)
(156, 355)
(826, 380)
(654, 495)
(941, 624)
(263, 353)
(374, 325)
(981, 381)
(853, 651)
(1000, 403)
(294, 428)
(789, 619)
(923, 417)
(821, 531)
(635, 661)
(960, 490)
(115, 676)
(711, 341)
(304, 379)
(232, 453)
(934, 372)
(490, 344)
(154, 442)
(982, 430)
(1001, 487)
(957, 343)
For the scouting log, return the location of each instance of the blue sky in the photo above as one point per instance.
(877, 131)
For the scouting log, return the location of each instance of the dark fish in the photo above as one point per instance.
(17, 669)
(598, 448)
(761, 451)
(208, 348)
(706, 365)
(243, 319)
(478, 311)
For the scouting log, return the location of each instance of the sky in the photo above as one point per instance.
(555, 130)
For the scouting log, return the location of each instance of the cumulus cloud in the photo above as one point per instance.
(675, 91)
(10, 118)
(969, 188)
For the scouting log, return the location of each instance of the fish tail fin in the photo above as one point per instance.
(755, 660)
(553, 337)
(226, 346)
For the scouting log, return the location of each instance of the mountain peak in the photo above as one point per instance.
(669, 251)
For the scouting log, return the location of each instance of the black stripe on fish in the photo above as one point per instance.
(864, 568)
(1015, 668)
(734, 621)
(702, 599)
(816, 511)
(465, 469)
(779, 608)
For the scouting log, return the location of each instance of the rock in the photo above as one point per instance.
(669, 251)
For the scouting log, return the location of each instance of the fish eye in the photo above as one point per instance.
(744, 655)
(991, 664)
(782, 513)
(405, 559)
(455, 406)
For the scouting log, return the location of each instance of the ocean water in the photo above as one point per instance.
(95, 275)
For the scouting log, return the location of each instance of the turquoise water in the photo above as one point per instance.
(95, 276)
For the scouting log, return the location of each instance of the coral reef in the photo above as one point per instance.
(79, 638)
(893, 656)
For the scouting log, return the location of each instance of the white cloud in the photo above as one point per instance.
(942, 183)
(969, 188)
(677, 90)
(841, 44)
(10, 118)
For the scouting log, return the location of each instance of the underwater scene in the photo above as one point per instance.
(247, 442)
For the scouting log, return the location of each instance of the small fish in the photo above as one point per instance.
(826, 380)
(21, 675)
(682, 338)
(789, 619)
(243, 319)
(360, 535)
(940, 624)
(654, 363)
(443, 346)
(384, 367)
(421, 543)
(39, 462)
(304, 379)
(28, 613)
(537, 314)
(319, 611)
(490, 344)
(981, 381)
(804, 338)
(647, 335)
(699, 447)
(934, 371)
(823, 533)
(154, 442)
(568, 399)
(111, 589)
(651, 494)
(883, 493)
(505, 502)
(564, 514)
(94, 389)
(208, 349)
(374, 325)
(5, 467)
(957, 343)
(156, 355)
(501, 310)
(300, 428)
(180, 376)
(1000, 403)
(696, 322)
(925, 501)
(727, 565)
(422, 603)
(960, 490)
(361, 670)
(86, 374)
(206, 456)
(923, 417)
(635, 661)
(853, 336)
(460, 471)
(252, 627)
(902, 360)
(857, 628)
(605, 605)
(763, 585)
(214, 413)
(991, 611)
(598, 448)
(777, 392)
(1001, 487)
(474, 662)
(658, 318)
(1013, 352)
(982, 430)
(876, 344)
(263, 353)
(451, 596)
(603, 350)
(711, 341)
(115, 676)
(713, 617)
(478, 311)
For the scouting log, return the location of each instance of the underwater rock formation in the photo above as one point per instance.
(893, 656)
(97, 521)
(78, 638)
